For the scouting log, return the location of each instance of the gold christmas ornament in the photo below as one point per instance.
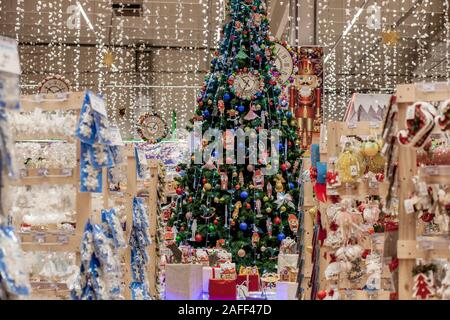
(370, 148)
(349, 166)
(376, 163)
(241, 253)
(207, 186)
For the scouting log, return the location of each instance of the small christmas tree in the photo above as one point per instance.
(423, 286)
(246, 206)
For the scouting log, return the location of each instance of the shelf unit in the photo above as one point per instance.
(407, 246)
(334, 131)
(55, 241)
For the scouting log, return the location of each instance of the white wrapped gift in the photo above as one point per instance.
(184, 282)
(286, 290)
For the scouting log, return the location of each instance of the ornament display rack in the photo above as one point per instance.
(408, 247)
(329, 152)
(50, 239)
(132, 189)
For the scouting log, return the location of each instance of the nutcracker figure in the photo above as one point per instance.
(305, 98)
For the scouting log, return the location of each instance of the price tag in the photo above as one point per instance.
(431, 171)
(410, 113)
(428, 87)
(423, 189)
(426, 245)
(39, 237)
(98, 104)
(332, 192)
(67, 172)
(9, 56)
(354, 170)
(409, 206)
(116, 137)
(62, 238)
(373, 183)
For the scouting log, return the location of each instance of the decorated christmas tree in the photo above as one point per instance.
(241, 187)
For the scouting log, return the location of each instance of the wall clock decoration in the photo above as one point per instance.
(247, 85)
(151, 127)
(54, 84)
(283, 62)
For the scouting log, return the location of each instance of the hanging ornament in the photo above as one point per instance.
(269, 227)
(224, 180)
(423, 286)
(281, 236)
(243, 226)
(241, 178)
(258, 208)
(269, 190)
(237, 206)
(244, 195)
(109, 59)
(241, 253)
(198, 237)
(221, 106)
(207, 186)
(251, 115)
(258, 180)
(277, 220)
(255, 238)
(293, 223)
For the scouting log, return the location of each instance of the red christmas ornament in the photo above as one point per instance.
(247, 205)
(190, 200)
(233, 223)
(198, 237)
(379, 177)
(204, 180)
(178, 169)
(216, 222)
(284, 167)
(321, 294)
(277, 220)
(179, 191)
(427, 217)
(182, 228)
(237, 187)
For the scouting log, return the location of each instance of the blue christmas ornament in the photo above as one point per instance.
(215, 154)
(288, 114)
(259, 94)
(244, 195)
(182, 173)
(281, 236)
(291, 185)
(243, 226)
(241, 108)
(226, 97)
(206, 113)
(280, 146)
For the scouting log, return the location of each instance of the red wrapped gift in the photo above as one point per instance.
(253, 281)
(221, 289)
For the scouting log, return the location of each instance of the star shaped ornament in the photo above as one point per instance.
(390, 38)
(108, 59)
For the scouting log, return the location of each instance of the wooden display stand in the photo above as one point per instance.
(54, 241)
(407, 247)
(50, 239)
(329, 152)
(132, 190)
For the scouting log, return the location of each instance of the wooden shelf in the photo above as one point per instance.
(52, 102)
(409, 249)
(435, 174)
